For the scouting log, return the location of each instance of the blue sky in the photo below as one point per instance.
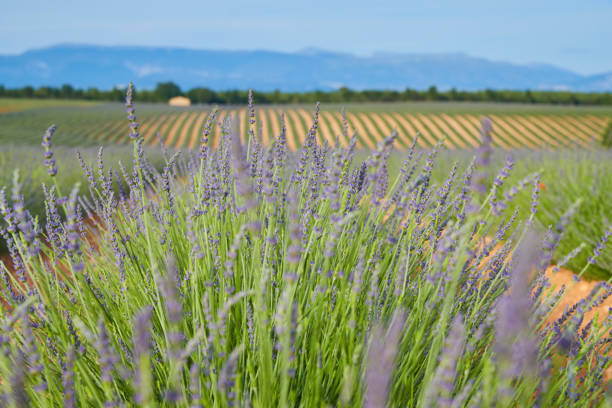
(576, 35)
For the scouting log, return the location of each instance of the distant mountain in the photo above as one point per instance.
(84, 66)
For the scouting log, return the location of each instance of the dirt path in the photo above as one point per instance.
(174, 130)
(468, 137)
(334, 123)
(456, 138)
(243, 126)
(363, 138)
(528, 127)
(295, 122)
(513, 130)
(274, 124)
(290, 135)
(554, 130)
(585, 131)
(195, 132)
(262, 123)
(381, 124)
(422, 129)
(185, 129)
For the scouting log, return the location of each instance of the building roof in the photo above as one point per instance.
(179, 101)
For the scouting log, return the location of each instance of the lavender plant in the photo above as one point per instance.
(331, 285)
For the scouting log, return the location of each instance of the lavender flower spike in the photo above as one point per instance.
(515, 345)
(142, 349)
(68, 379)
(600, 245)
(380, 361)
(443, 382)
(129, 108)
(48, 155)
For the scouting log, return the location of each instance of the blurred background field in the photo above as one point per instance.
(516, 125)
(20, 104)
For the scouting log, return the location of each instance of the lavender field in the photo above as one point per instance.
(251, 275)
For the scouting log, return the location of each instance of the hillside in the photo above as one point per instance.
(106, 67)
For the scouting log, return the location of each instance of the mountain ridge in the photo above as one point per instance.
(105, 67)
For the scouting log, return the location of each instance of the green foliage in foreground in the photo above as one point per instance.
(238, 278)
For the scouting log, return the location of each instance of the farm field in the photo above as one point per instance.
(227, 276)
(20, 104)
(514, 126)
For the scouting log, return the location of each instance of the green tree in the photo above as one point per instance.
(167, 90)
(201, 95)
(432, 93)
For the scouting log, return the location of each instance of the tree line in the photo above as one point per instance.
(166, 90)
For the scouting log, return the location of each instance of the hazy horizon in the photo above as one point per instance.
(298, 51)
(560, 33)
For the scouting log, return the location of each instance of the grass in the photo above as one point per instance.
(21, 104)
(263, 278)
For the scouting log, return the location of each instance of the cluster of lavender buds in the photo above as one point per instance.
(48, 153)
(600, 245)
(497, 205)
(131, 115)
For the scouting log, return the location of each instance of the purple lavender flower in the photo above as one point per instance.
(24, 219)
(380, 358)
(600, 245)
(142, 348)
(504, 173)
(515, 344)
(194, 385)
(31, 354)
(68, 379)
(535, 195)
(7, 212)
(46, 144)
(294, 252)
(108, 356)
(129, 108)
(515, 189)
(169, 288)
(244, 184)
(269, 186)
(443, 382)
(227, 376)
(251, 108)
(206, 132)
(78, 345)
(72, 238)
(333, 180)
(87, 170)
(462, 204)
(280, 147)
